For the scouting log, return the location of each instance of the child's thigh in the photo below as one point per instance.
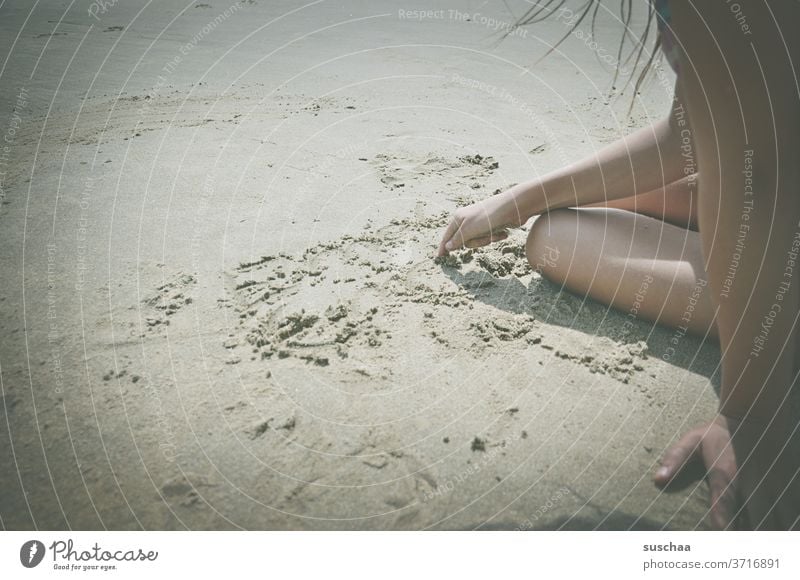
(627, 260)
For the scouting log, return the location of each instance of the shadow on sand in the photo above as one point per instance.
(550, 304)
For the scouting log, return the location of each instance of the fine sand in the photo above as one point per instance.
(219, 305)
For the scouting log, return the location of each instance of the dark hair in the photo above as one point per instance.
(544, 9)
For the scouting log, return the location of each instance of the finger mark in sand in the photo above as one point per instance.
(380, 463)
(259, 429)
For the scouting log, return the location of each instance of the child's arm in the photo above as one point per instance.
(646, 160)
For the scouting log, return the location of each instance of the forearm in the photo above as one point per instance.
(644, 161)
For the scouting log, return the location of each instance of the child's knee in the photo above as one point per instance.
(544, 248)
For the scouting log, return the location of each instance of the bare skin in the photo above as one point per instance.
(741, 97)
(675, 204)
(733, 92)
(626, 260)
(620, 237)
(648, 160)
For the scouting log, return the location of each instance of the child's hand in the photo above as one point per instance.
(751, 472)
(480, 224)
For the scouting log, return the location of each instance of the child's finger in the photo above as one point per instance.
(724, 503)
(498, 236)
(678, 456)
(478, 242)
(456, 241)
(452, 228)
(485, 240)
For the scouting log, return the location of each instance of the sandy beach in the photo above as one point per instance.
(220, 307)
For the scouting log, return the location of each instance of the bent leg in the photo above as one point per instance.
(632, 262)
